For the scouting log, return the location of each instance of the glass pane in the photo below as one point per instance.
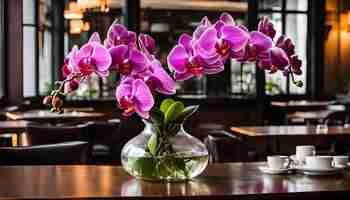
(29, 61)
(299, 5)
(243, 78)
(275, 83)
(296, 28)
(45, 64)
(270, 4)
(29, 11)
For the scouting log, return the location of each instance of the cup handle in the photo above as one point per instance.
(290, 161)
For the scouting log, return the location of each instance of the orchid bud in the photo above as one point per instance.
(71, 86)
(57, 102)
(299, 83)
(47, 100)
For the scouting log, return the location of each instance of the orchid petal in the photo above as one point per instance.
(227, 19)
(208, 39)
(185, 40)
(118, 54)
(278, 58)
(168, 85)
(260, 41)
(214, 70)
(178, 58)
(124, 89)
(235, 36)
(102, 58)
(138, 60)
(143, 95)
(95, 37)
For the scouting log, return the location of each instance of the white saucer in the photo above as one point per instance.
(267, 170)
(317, 172)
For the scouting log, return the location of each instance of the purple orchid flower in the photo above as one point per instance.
(118, 35)
(216, 43)
(66, 68)
(147, 44)
(183, 60)
(127, 60)
(286, 44)
(157, 78)
(92, 57)
(133, 95)
(266, 26)
(203, 25)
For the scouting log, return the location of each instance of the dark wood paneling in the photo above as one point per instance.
(14, 51)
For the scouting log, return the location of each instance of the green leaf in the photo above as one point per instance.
(166, 103)
(186, 113)
(157, 116)
(144, 166)
(173, 111)
(153, 144)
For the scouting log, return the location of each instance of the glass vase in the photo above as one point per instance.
(187, 158)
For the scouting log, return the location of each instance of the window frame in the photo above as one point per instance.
(2, 51)
(284, 12)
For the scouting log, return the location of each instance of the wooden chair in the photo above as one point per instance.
(104, 135)
(224, 147)
(75, 152)
(39, 134)
(337, 118)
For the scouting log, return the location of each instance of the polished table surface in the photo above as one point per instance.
(266, 131)
(219, 181)
(301, 103)
(46, 115)
(13, 126)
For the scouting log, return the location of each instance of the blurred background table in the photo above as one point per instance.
(47, 116)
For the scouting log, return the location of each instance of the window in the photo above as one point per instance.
(38, 46)
(165, 21)
(29, 48)
(2, 49)
(290, 17)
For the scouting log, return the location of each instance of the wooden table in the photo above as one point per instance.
(302, 104)
(47, 116)
(285, 108)
(274, 131)
(219, 181)
(282, 138)
(13, 126)
(310, 117)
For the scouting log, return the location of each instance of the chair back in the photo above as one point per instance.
(337, 118)
(39, 134)
(103, 132)
(224, 147)
(75, 152)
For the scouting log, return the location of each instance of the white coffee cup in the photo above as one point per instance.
(340, 161)
(278, 162)
(303, 151)
(319, 162)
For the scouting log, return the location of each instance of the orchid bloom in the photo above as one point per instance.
(66, 68)
(133, 95)
(147, 44)
(216, 43)
(183, 60)
(92, 57)
(157, 79)
(266, 26)
(119, 35)
(127, 60)
(203, 52)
